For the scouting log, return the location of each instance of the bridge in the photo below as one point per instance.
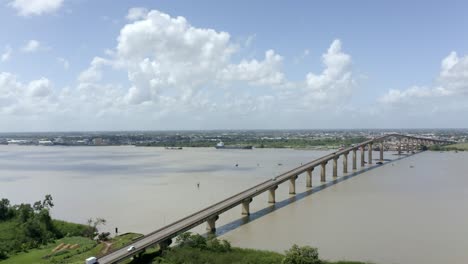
(163, 236)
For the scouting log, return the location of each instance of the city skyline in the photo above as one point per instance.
(142, 65)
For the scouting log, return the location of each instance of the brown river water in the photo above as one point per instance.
(412, 209)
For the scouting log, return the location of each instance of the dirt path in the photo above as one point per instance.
(106, 247)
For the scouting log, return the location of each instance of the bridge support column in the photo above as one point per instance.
(354, 159)
(246, 206)
(271, 194)
(211, 224)
(309, 178)
(165, 244)
(345, 162)
(370, 154)
(292, 185)
(363, 162)
(322, 172)
(399, 147)
(381, 151)
(335, 167)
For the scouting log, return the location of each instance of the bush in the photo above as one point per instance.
(66, 229)
(301, 255)
(200, 242)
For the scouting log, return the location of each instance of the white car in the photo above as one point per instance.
(131, 248)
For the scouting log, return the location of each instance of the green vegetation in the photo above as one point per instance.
(29, 235)
(453, 147)
(25, 227)
(69, 250)
(193, 249)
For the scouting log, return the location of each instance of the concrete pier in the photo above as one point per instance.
(211, 224)
(399, 147)
(309, 178)
(292, 185)
(246, 206)
(370, 154)
(322, 172)
(354, 159)
(381, 151)
(363, 162)
(345, 162)
(335, 167)
(271, 194)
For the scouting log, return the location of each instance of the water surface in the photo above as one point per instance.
(411, 210)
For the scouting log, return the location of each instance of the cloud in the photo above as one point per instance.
(250, 39)
(39, 88)
(336, 80)
(136, 13)
(6, 55)
(301, 57)
(174, 68)
(164, 54)
(266, 72)
(65, 63)
(35, 7)
(31, 46)
(93, 73)
(452, 82)
(28, 99)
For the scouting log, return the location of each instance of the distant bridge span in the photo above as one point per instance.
(210, 214)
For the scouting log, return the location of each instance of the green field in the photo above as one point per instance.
(459, 146)
(87, 248)
(453, 147)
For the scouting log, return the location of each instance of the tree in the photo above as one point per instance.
(301, 255)
(4, 209)
(25, 211)
(47, 202)
(92, 230)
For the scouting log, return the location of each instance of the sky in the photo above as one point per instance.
(82, 65)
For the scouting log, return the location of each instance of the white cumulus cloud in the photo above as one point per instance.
(336, 80)
(31, 46)
(35, 7)
(40, 88)
(136, 13)
(164, 54)
(452, 82)
(256, 72)
(6, 55)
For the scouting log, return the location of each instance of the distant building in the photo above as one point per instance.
(59, 140)
(98, 141)
(45, 142)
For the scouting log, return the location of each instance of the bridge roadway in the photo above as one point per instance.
(172, 230)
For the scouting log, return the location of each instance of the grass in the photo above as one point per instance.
(87, 248)
(458, 146)
(45, 255)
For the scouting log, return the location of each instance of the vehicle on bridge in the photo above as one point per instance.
(131, 248)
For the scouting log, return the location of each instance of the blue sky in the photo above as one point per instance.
(113, 65)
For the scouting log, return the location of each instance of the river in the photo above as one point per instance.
(411, 210)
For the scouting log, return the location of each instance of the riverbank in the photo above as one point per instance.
(453, 147)
(195, 249)
(70, 250)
